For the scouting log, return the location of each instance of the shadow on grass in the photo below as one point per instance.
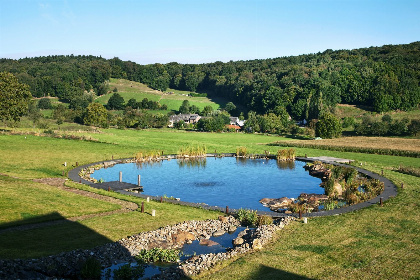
(266, 272)
(52, 249)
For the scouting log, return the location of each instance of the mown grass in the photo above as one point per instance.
(24, 201)
(373, 243)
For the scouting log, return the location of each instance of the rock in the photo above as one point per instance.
(219, 233)
(208, 242)
(337, 189)
(312, 198)
(224, 219)
(276, 203)
(181, 237)
(238, 241)
(256, 244)
(232, 229)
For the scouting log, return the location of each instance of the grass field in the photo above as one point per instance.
(373, 243)
(128, 89)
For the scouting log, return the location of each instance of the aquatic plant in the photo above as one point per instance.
(192, 151)
(247, 217)
(148, 155)
(264, 220)
(158, 254)
(286, 154)
(241, 151)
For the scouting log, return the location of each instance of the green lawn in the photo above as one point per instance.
(373, 243)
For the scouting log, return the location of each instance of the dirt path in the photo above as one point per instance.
(59, 183)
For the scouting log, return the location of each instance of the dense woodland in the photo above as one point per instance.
(305, 87)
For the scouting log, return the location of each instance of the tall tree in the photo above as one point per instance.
(14, 97)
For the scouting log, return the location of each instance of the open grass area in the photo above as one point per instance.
(128, 89)
(24, 201)
(373, 243)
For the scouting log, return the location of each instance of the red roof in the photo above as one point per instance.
(230, 126)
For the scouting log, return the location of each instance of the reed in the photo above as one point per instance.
(148, 156)
(192, 151)
(241, 152)
(286, 155)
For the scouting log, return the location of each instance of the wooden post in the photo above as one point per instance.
(227, 209)
(402, 185)
(77, 164)
(120, 176)
(63, 173)
(161, 199)
(147, 199)
(80, 181)
(112, 157)
(142, 207)
(381, 201)
(109, 189)
(153, 212)
(65, 163)
(382, 172)
(138, 180)
(305, 220)
(300, 214)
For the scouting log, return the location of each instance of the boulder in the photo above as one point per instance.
(256, 244)
(208, 242)
(223, 219)
(337, 189)
(182, 237)
(232, 229)
(238, 241)
(276, 203)
(219, 233)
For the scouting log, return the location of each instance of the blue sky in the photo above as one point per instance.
(194, 31)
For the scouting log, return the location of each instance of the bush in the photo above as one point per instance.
(247, 217)
(128, 272)
(45, 103)
(91, 269)
(264, 220)
(328, 126)
(158, 254)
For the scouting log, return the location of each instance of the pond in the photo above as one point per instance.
(227, 181)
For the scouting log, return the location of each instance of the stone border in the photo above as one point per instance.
(390, 190)
(69, 264)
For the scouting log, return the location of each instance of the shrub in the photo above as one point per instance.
(328, 126)
(247, 217)
(128, 272)
(44, 103)
(158, 254)
(91, 269)
(264, 220)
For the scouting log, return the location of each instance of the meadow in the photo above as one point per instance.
(129, 89)
(372, 243)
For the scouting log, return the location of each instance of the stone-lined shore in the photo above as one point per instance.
(69, 264)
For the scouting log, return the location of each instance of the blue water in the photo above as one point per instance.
(228, 181)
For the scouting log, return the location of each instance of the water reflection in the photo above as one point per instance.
(288, 164)
(148, 163)
(192, 162)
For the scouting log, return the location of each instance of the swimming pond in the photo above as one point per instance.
(227, 181)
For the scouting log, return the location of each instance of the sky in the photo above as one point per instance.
(196, 31)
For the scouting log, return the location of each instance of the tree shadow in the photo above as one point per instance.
(47, 249)
(266, 272)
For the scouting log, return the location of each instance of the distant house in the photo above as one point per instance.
(233, 127)
(236, 121)
(187, 118)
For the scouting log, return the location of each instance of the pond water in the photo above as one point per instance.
(228, 181)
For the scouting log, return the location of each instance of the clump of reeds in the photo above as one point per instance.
(286, 154)
(241, 152)
(148, 156)
(192, 151)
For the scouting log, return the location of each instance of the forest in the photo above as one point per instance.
(383, 79)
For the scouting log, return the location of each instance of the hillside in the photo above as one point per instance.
(172, 98)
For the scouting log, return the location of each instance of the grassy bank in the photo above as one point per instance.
(373, 243)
